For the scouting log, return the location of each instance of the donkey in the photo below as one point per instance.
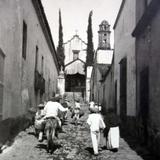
(51, 131)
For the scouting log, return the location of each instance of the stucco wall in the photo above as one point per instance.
(97, 90)
(155, 71)
(148, 54)
(125, 47)
(19, 92)
(108, 90)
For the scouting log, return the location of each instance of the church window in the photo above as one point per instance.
(75, 54)
(2, 56)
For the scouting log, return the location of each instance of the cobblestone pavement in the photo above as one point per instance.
(75, 144)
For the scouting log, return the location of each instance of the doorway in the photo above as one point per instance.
(144, 102)
(123, 89)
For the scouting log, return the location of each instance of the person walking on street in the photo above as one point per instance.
(76, 112)
(39, 121)
(96, 124)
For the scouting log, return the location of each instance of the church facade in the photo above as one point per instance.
(75, 59)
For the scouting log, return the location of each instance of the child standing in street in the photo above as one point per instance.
(96, 124)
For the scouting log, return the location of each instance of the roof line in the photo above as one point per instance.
(45, 28)
(109, 69)
(147, 17)
(74, 61)
(73, 38)
(119, 13)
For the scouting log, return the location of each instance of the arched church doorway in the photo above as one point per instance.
(75, 83)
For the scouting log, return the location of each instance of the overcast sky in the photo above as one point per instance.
(75, 17)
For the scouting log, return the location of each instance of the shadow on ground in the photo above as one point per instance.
(90, 150)
(140, 149)
(44, 147)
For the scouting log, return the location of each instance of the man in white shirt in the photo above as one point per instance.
(96, 124)
(51, 109)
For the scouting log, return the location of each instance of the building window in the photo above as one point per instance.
(42, 65)
(2, 56)
(115, 97)
(75, 54)
(24, 40)
(36, 59)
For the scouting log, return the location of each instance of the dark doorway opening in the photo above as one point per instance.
(75, 83)
(144, 102)
(123, 89)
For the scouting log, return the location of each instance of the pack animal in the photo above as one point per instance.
(51, 132)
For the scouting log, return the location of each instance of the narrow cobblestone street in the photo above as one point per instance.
(75, 144)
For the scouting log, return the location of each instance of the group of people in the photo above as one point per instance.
(56, 107)
(51, 108)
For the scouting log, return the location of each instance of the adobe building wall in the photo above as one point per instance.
(125, 48)
(148, 56)
(154, 71)
(108, 90)
(18, 90)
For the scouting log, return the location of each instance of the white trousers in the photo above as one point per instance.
(95, 136)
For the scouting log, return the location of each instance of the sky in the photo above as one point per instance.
(75, 14)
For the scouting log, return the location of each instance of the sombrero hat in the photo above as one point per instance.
(41, 105)
(56, 98)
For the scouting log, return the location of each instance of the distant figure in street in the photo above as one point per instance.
(66, 104)
(96, 124)
(91, 104)
(76, 112)
(77, 104)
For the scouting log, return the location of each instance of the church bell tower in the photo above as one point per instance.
(104, 36)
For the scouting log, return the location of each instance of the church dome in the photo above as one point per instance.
(104, 22)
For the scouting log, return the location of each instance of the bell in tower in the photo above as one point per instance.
(104, 35)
